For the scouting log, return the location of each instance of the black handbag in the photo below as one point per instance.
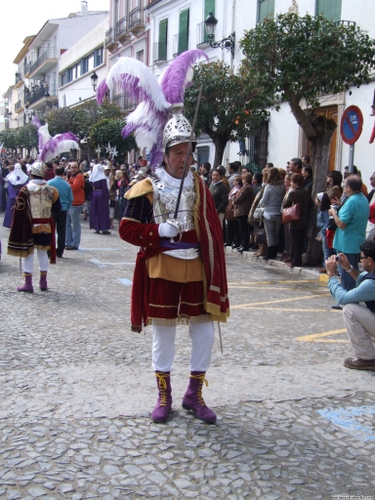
(261, 237)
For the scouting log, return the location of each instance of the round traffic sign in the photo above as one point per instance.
(351, 124)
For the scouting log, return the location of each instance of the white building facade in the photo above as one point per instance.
(37, 77)
(285, 138)
(78, 64)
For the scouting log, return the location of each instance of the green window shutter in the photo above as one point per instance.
(209, 6)
(266, 8)
(163, 32)
(183, 34)
(331, 9)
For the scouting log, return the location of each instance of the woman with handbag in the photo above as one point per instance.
(255, 218)
(233, 230)
(272, 197)
(300, 197)
(242, 204)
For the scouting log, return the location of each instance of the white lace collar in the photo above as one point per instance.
(172, 181)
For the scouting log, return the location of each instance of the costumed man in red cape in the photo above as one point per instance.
(33, 226)
(180, 273)
(177, 282)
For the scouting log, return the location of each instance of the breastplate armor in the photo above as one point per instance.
(41, 199)
(164, 205)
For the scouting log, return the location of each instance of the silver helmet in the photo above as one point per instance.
(38, 168)
(177, 131)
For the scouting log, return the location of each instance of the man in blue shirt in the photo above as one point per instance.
(359, 319)
(66, 199)
(351, 222)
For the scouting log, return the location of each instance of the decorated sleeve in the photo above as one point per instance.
(136, 225)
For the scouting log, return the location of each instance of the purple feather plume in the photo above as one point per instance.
(59, 144)
(36, 122)
(173, 80)
(128, 129)
(101, 91)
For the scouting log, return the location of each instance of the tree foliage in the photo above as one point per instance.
(80, 119)
(8, 137)
(227, 108)
(298, 60)
(109, 131)
(27, 137)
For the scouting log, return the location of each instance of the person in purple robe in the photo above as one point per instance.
(16, 180)
(99, 213)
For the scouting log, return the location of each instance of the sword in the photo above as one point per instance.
(220, 338)
(174, 221)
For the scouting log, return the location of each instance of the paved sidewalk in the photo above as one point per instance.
(76, 390)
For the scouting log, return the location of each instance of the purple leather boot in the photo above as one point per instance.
(43, 281)
(163, 405)
(28, 285)
(193, 399)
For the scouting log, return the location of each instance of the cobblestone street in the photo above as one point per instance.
(77, 389)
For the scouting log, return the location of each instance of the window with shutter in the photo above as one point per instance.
(183, 34)
(331, 9)
(266, 8)
(163, 34)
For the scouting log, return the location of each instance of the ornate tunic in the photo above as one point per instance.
(32, 225)
(164, 265)
(164, 204)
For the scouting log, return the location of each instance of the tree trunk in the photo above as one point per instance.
(219, 151)
(320, 148)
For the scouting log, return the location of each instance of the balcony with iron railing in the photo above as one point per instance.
(27, 69)
(124, 102)
(136, 20)
(180, 42)
(109, 37)
(18, 106)
(37, 95)
(121, 31)
(160, 51)
(342, 22)
(18, 79)
(202, 37)
(44, 63)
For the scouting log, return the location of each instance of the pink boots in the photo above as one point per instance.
(28, 285)
(193, 399)
(164, 402)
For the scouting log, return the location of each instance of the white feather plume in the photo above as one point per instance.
(138, 80)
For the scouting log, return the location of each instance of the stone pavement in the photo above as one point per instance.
(76, 390)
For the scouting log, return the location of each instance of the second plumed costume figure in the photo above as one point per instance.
(32, 222)
(180, 275)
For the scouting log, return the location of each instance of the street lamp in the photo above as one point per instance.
(94, 80)
(227, 43)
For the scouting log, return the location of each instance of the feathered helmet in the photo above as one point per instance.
(176, 131)
(50, 147)
(158, 122)
(38, 168)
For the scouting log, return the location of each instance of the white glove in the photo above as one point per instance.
(167, 230)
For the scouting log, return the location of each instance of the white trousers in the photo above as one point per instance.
(28, 262)
(360, 325)
(163, 347)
